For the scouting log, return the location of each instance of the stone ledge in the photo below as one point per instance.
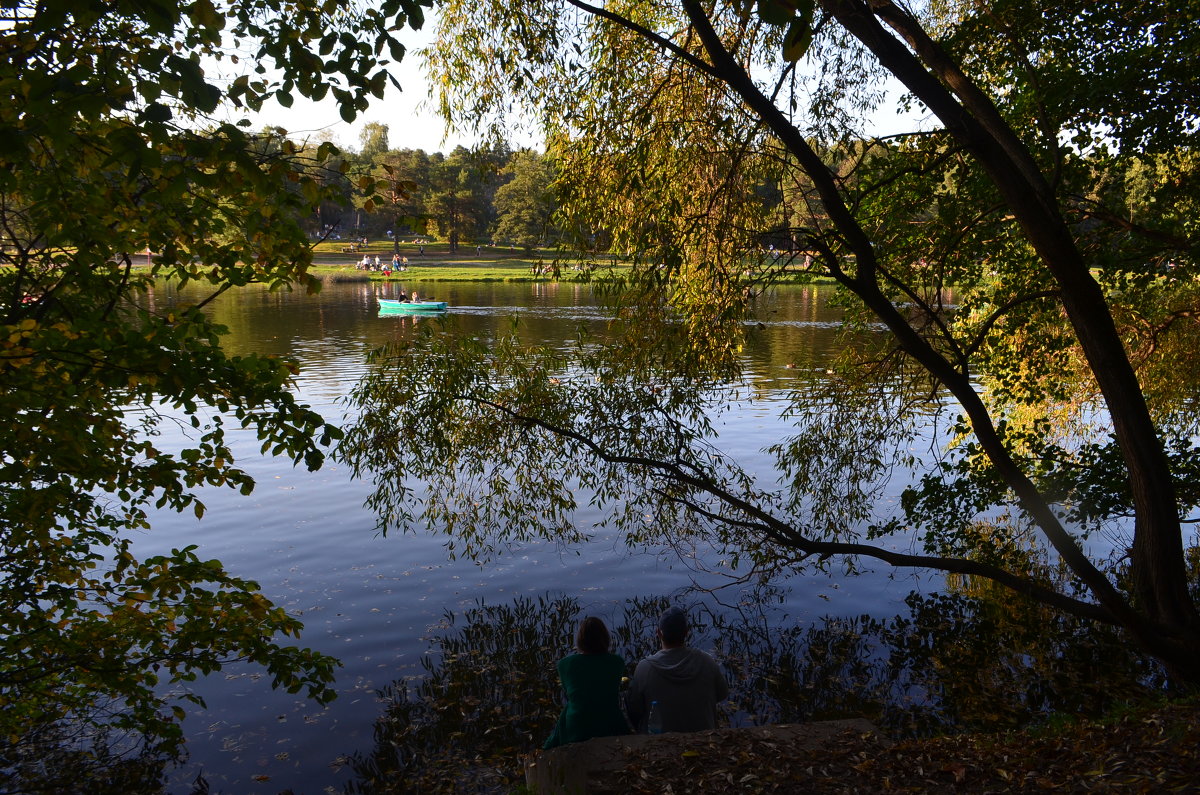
(588, 768)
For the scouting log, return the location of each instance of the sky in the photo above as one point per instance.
(408, 113)
(414, 124)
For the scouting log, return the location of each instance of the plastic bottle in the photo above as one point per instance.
(654, 719)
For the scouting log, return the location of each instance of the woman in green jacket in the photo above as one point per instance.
(592, 682)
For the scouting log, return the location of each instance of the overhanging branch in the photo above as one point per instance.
(647, 34)
(790, 536)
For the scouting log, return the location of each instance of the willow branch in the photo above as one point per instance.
(647, 34)
(788, 535)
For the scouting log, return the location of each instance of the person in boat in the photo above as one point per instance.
(414, 298)
(402, 297)
(591, 678)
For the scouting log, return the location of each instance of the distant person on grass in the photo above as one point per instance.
(592, 682)
(686, 682)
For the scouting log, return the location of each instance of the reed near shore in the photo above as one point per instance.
(333, 277)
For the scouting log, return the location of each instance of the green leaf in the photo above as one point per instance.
(797, 40)
(776, 12)
(156, 113)
(396, 50)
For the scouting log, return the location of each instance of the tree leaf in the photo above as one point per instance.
(797, 39)
(776, 12)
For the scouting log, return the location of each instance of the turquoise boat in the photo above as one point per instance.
(388, 305)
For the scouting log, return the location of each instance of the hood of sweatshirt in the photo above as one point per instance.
(677, 664)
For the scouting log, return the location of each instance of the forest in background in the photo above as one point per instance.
(493, 194)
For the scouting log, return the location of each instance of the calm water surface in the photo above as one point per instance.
(372, 601)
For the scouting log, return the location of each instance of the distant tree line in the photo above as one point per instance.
(492, 194)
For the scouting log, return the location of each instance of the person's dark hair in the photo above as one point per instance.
(673, 626)
(592, 637)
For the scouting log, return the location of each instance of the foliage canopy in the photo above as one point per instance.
(1029, 246)
(118, 182)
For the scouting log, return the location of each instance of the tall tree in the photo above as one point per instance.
(115, 178)
(458, 197)
(1012, 193)
(525, 204)
(329, 169)
(408, 174)
(373, 141)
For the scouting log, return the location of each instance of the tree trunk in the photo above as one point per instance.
(1163, 619)
(1160, 576)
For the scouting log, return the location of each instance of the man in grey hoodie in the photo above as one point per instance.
(686, 682)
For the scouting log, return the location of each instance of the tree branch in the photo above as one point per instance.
(788, 535)
(1002, 310)
(647, 34)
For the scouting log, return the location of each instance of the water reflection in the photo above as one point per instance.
(488, 693)
(369, 600)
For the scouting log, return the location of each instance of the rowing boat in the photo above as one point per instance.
(388, 305)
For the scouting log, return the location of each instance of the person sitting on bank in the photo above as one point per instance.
(686, 682)
(592, 681)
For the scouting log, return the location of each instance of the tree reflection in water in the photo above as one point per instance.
(956, 662)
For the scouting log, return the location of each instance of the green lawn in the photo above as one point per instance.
(438, 263)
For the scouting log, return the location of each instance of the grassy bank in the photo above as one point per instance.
(335, 261)
(460, 272)
(338, 260)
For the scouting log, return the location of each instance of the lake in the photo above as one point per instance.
(373, 601)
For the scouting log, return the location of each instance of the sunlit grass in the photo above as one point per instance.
(337, 261)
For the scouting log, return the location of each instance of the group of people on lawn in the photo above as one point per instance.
(367, 264)
(683, 685)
